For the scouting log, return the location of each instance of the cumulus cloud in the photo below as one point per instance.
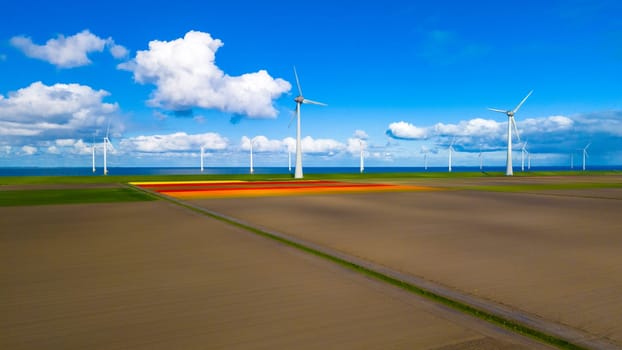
(263, 144)
(354, 145)
(176, 142)
(360, 134)
(552, 134)
(51, 112)
(406, 131)
(185, 74)
(309, 145)
(321, 146)
(68, 52)
(29, 150)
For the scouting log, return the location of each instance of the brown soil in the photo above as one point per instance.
(557, 256)
(155, 275)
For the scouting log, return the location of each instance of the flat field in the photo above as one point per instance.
(549, 247)
(155, 275)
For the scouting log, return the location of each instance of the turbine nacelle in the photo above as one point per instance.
(299, 99)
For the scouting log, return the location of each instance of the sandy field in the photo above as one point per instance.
(557, 256)
(154, 275)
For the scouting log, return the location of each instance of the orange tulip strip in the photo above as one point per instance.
(236, 189)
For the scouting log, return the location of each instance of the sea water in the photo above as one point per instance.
(86, 171)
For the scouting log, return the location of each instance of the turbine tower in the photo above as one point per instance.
(202, 153)
(571, 160)
(93, 154)
(252, 170)
(481, 161)
(523, 151)
(362, 167)
(451, 149)
(106, 142)
(299, 101)
(511, 123)
(425, 160)
(289, 160)
(585, 154)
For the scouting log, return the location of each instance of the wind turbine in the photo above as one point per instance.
(511, 123)
(451, 149)
(585, 154)
(523, 150)
(202, 153)
(93, 154)
(106, 142)
(299, 101)
(425, 160)
(289, 160)
(252, 170)
(528, 160)
(362, 158)
(481, 160)
(572, 160)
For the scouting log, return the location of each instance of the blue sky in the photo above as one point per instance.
(407, 77)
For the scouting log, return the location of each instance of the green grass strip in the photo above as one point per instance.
(71, 196)
(457, 305)
(93, 179)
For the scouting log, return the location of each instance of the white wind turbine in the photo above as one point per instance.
(299, 101)
(93, 154)
(451, 150)
(511, 123)
(106, 142)
(523, 151)
(252, 170)
(362, 167)
(425, 160)
(572, 160)
(481, 160)
(289, 159)
(585, 154)
(202, 154)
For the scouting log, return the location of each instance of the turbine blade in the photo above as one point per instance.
(293, 116)
(314, 102)
(515, 128)
(521, 102)
(588, 145)
(297, 82)
(498, 110)
(108, 128)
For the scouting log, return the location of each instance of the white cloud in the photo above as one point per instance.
(68, 52)
(53, 112)
(473, 127)
(403, 130)
(321, 146)
(354, 145)
(549, 124)
(176, 142)
(186, 76)
(263, 144)
(360, 134)
(117, 51)
(53, 150)
(553, 134)
(29, 150)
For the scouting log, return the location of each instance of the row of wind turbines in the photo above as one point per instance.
(106, 143)
(298, 173)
